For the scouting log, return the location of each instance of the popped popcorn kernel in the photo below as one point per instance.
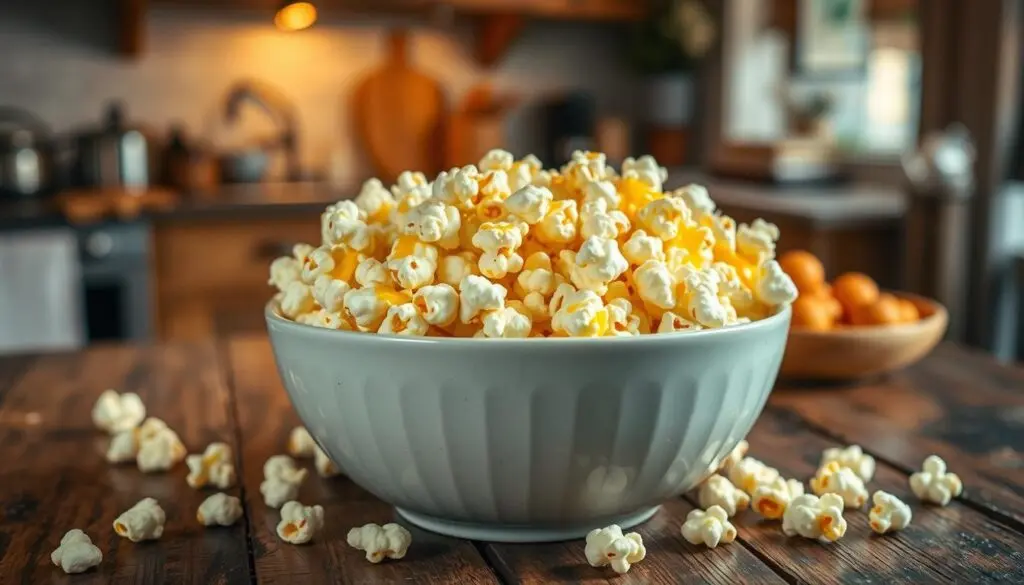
(390, 541)
(709, 527)
(853, 458)
(143, 521)
(735, 456)
(76, 553)
(300, 443)
(816, 518)
(835, 479)
(771, 499)
(159, 448)
(673, 257)
(750, 473)
(115, 413)
(719, 491)
(324, 466)
(608, 546)
(219, 509)
(889, 513)
(581, 314)
(213, 467)
(933, 484)
(281, 480)
(299, 523)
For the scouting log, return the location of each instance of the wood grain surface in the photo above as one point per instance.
(53, 478)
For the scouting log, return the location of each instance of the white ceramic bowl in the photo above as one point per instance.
(528, 439)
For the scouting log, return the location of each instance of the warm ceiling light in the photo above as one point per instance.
(293, 16)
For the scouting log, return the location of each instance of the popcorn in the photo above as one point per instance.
(403, 319)
(771, 499)
(219, 510)
(390, 541)
(671, 259)
(719, 491)
(499, 242)
(655, 284)
(735, 456)
(507, 323)
(598, 262)
(750, 473)
(323, 464)
(834, 479)
(143, 521)
(530, 203)
(281, 480)
(711, 527)
(76, 553)
(933, 484)
(477, 294)
(816, 518)
(889, 513)
(115, 413)
(159, 448)
(300, 443)
(853, 458)
(640, 248)
(213, 467)
(609, 546)
(299, 523)
(582, 314)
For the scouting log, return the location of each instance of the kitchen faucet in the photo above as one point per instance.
(279, 109)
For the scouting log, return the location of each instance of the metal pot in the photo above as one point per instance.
(26, 155)
(115, 155)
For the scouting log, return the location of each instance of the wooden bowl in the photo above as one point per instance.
(851, 352)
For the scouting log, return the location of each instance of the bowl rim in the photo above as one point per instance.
(939, 315)
(274, 319)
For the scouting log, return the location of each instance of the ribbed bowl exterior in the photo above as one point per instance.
(528, 432)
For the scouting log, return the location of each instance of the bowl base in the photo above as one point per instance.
(522, 533)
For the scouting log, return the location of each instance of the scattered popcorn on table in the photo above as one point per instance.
(213, 467)
(719, 491)
(852, 457)
(281, 480)
(301, 444)
(933, 484)
(481, 251)
(116, 413)
(889, 513)
(143, 521)
(750, 473)
(324, 466)
(771, 499)
(153, 446)
(219, 510)
(609, 546)
(735, 456)
(76, 553)
(816, 518)
(710, 527)
(835, 479)
(299, 523)
(390, 541)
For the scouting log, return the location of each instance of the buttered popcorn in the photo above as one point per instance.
(710, 527)
(719, 491)
(834, 479)
(213, 467)
(143, 521)
(487, 250)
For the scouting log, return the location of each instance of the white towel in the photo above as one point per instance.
(40, 291)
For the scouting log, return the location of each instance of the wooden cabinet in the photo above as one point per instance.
(558, 9)
(211, 276)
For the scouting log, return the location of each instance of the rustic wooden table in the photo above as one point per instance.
(53, 477)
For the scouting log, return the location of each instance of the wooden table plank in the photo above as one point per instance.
(11, 368)
(670, 559)
(955, 544)
(960, 405)
(265, 418)
(54, 476)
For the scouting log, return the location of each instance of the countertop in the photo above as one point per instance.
(229, 201)
(846, 206)
(955, 403)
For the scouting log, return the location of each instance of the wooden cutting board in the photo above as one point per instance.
(399, 115)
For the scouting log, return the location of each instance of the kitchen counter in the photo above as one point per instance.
(955, 403)
(255, 200)
(844, 206)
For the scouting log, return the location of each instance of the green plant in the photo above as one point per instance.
(672, 39)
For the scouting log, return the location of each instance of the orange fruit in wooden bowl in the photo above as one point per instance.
(804, 268)
(881, 340)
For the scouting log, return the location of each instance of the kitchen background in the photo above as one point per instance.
(157, 155)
